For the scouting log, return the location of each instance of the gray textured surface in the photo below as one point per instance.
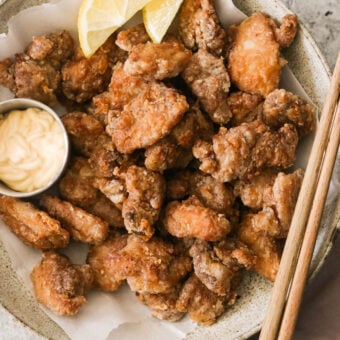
(322, 19)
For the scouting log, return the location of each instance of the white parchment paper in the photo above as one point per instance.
(119, 315)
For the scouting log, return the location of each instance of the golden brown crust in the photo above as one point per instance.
(208, 79)
(83, 226)
(191, 219)
(147, 118)
(200, 27)
(33, 226)
(60, 285)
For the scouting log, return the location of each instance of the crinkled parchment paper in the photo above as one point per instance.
(119, 315)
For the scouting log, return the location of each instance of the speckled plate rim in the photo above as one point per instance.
(248, 7)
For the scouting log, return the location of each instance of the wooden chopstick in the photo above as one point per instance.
(296, 290)
(302, 210)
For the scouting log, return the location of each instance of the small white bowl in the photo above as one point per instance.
(22, 104)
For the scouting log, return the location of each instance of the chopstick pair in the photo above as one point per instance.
(288, 288)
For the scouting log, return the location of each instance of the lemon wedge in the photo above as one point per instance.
(98, 19)
(158, 16)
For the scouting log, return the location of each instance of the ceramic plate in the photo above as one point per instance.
(245, 317)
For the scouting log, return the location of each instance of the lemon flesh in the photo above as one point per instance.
(98, 19)
(158, 16)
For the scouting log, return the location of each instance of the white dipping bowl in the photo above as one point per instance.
(22, 104)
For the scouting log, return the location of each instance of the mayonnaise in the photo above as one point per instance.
(32, 149)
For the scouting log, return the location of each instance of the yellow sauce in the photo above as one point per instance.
(32, 148)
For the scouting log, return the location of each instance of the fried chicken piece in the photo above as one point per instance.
(142, 207)
(147, 118)
(122, 89)
(191, 218)
(155, 265)
(244, 150)
(208, 79)
(212, 194)
(83, 78)
(229, 155)
(254, 192)
(285, 34)
(254, 61)
(76, 184)
(174, 151)
(278, 191)
(131, 37)
(113, 188)
(33, 226)
(37, 80)
(55, 48)
(108, 264)
(281, 107)
(83, 226)
(199, 26)
(157, 61)
(245, 107)
(84, 130)
(77, 187)
(218, 269)
(107, 211)
(203, 305)
(266, 248)
(166, 155)
(60, 285)
(36, 73)
(7, 74)
(275, 149)
(163, 306)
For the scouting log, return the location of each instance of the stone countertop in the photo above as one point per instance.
(320, 309)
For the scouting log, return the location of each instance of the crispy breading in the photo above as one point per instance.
(285, 34)
(266, 248)
(113, 188)
(55, 48)
(109, 267)
(131, 37)
(83, 78)
(76, 184)
(147, 118)
(157, 265)
(202, 305)
(254, 192)
(36, 73)
(208, 79)
(254, 61)
(83, 226)
(219, 273)
(7, 74)
(174, 151)
(142, 206)
(275, 149)
(277, 191)
(60, 285)
(165, 155)
(212, 194)
(37, 80)
(245, 107)
(282, 106)
(199, 26)
(163, 306)
(77, 187)
(191, 218)
(84, 131)
(157, 60)
(244, 150)
(33, 226)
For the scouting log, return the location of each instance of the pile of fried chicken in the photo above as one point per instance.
(181, 174)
